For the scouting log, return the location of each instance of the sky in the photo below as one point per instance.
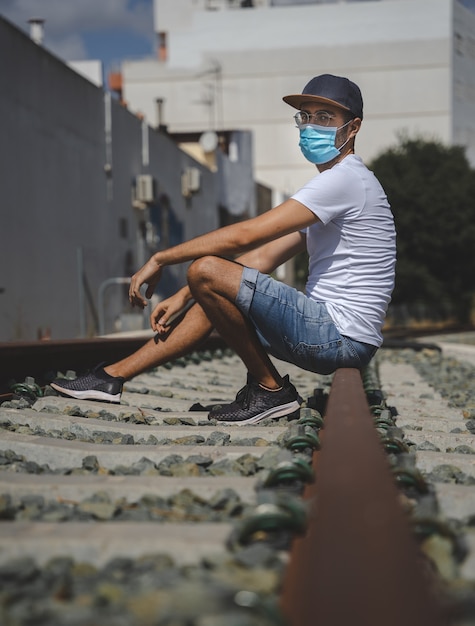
(76, 30)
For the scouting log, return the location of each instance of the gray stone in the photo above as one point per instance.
(190, 440)
(184, 469)
(462, 450)
(18, 571)
(427, 445)
(90, 463)
(146, 467)
(7, 509)
(226, 500)
(217, 438)
(447, 474)
(198, 459)
(32, 500)
(249, 464)
(470, 424)
(226, 467)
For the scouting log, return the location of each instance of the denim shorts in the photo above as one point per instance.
(296, 329)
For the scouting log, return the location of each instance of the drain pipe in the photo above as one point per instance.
(100, 298)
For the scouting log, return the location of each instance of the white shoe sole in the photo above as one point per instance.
(91, 394)
(274, 413)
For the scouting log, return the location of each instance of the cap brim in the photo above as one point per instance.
(297, 100)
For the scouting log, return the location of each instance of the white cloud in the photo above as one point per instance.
(66, 19)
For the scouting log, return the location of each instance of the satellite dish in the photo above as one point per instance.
(209, 141)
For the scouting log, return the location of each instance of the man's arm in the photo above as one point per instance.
(268, 257)
(265, 258)
(288, 217)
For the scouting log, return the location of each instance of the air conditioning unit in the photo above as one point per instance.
(190, 181)
(214, 5)
(145, 188)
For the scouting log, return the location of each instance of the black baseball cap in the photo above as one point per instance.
(330, 89)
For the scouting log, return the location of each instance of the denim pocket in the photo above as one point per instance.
(355, 354)
(321, 359)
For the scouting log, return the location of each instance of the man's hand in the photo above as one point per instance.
(161, 317)
(149, 275)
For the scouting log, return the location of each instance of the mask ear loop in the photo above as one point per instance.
(339, 128)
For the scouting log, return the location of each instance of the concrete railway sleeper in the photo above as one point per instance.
(147, 514)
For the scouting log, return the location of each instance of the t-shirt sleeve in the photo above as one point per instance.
(332, 193)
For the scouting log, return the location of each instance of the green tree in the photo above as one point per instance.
(431, 189)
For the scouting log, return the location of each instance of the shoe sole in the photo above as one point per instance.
(274, 413)
(88, 395)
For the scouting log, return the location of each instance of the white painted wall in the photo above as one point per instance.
(230, 68)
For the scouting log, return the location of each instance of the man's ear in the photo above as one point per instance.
(354, 126)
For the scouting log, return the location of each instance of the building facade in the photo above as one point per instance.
(88, 192)
(227, 64)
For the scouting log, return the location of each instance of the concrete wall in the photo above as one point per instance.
(68, 158)
(463, 90)
(231, 68)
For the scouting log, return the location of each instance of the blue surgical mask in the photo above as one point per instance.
(317, 143)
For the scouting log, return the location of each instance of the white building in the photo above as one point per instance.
(221, 65)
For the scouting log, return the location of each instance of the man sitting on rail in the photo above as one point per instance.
(341, 217)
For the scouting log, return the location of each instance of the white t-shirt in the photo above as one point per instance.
(352, 249)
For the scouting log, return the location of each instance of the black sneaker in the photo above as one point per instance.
(95, 385)
(253, 404)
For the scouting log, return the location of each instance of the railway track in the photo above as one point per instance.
(146, 513)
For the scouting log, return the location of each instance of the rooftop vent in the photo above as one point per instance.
(37, 29)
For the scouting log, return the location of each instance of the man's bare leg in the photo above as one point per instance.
(214, 283)
(183, 338)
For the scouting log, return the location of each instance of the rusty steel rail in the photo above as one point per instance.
(39, 359)
(358, 563)
(19, 359)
